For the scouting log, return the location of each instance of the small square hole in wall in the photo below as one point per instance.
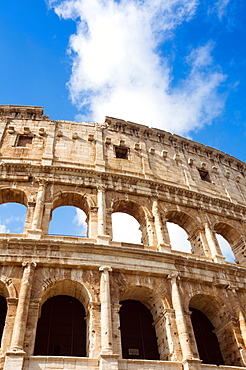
(204, 175)
(121, 152)
(24, 141)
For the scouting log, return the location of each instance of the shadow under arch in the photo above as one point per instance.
(140, 213)
(141, 308)
(61, 328)
(5, 293)
(233, 237)
(67, 287)
(71, 199)
(9, 195)
(13, 204)
(182, 219)
(215, 312)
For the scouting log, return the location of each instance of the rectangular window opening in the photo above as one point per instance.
(24, 141)
(121, 152)
(204, 175)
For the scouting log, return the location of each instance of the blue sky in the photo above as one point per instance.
(179, 65)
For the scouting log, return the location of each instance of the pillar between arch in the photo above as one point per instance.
(36, 228)
(94, 329)
(106, 316)
(213, 244)
(9, 323)
(102, 237)
(15, 356)
(163, 241)
(181, 322)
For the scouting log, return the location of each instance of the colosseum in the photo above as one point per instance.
(90, 303)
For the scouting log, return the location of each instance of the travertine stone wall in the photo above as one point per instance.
(161, 178)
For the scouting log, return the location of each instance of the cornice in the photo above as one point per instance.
(165, 191)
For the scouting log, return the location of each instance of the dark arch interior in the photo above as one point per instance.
(3, 312)
(61, 329)
(138, 335)
(206, 340)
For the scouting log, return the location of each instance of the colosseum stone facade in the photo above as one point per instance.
(93, 303)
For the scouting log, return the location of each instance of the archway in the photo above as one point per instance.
(138, 212)
(3, 312)
(178, 238)
(68, 220)
(12, 218)
(138, 335)
(125, 228)
(206, 340)
(225, 248)
(229, 240)
(61, 329)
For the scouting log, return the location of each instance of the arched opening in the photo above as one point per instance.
(68, 220)
(206, 340)
(225, 248)
(178, 238)
(61, 329)
(3, 312)
(138, 335)
(125, 228)
(12, 218)
(139, 213)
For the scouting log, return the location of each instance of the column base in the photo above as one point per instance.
(103, 239)
(166, 248)
(34, 233)
(108, 361)
(191, 364)
(14, 360)
(219, 259)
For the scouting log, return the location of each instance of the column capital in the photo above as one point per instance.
(32, 265)
(41, 182)
(173, 276)
(105, 269)
(101, 188)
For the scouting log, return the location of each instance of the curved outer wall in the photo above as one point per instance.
(161, 178)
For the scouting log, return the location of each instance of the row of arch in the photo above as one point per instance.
(145, 217)
(63, 330)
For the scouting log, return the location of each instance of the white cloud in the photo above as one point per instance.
(221, 7)
(3, 229)
(79, 220)
(117, 71)
(178, 238)
(125, 228)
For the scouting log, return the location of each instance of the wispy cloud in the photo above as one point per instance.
(79, 220)
(117, 70)
(4, 229)
(221, 8)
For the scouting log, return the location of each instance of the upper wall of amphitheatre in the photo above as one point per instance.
(119, 148)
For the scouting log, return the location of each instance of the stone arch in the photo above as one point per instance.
(234, 238)
(214, 309)
(7, 288)
(67, 287)
(62, 291)
(69, 198)
(150, 298)
(184, 220)
(156, 304)
(141, 213)
(10, 195)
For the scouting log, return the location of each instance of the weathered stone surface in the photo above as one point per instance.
(156, 177)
